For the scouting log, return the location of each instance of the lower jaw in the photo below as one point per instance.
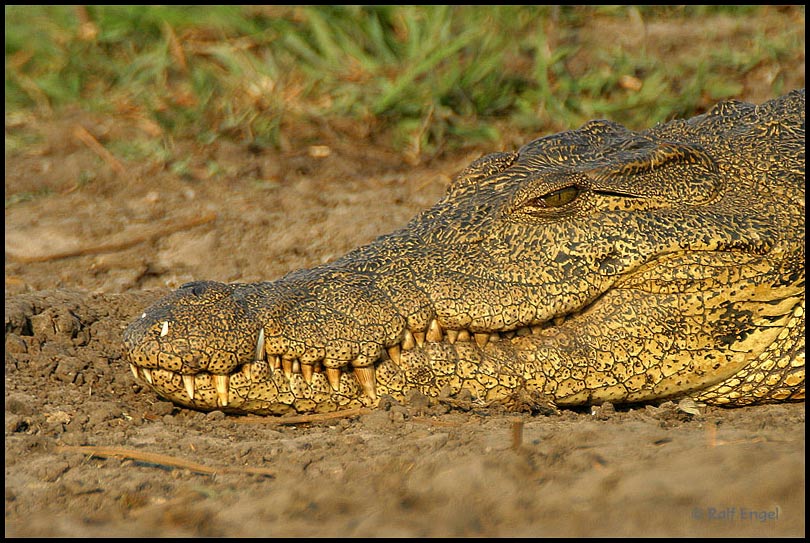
(275, 394)
(435, 369)
(427, 361)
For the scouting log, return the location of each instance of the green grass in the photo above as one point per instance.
(422, 78)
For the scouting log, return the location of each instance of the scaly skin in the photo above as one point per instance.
(594, 265)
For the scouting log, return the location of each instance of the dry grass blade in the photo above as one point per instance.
(160, 459)
(87, 138)
(121, 241)
(517, 433)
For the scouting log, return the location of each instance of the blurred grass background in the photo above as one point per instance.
(420, 80)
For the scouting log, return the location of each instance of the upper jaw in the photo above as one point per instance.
(271, 341)
(264, 365)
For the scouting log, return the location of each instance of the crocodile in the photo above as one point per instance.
(594, 265)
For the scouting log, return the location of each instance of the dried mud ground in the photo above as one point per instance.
(86, 258)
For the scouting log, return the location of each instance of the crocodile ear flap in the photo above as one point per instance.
(482, 168)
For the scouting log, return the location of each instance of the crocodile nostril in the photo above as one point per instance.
(198, 288)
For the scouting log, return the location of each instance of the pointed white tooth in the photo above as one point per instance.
(287, 366)
(366, 376)
(134, 369)
(420, 338)
(260, 346)
(221, 383)
(247, 370)
(296, 365)
(434, 332)
(307, 370)
(482, 338)
(333, 376)
(188, 384)
(147, 374)
(463, 335)
(452, 335)
(165, 329)
(408, 342)
(276, 362)
(395, 353)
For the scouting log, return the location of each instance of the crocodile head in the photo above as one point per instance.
(593, 265)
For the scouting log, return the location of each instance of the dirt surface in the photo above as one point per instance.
(84, 261)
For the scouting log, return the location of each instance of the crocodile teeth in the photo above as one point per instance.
(463, 335)
(164, 329)
(134, 369)
(333, 376)
(188, 384)
(420, 338)
(395, 353)
(247, 371)
(434, 332)
(366, 376)
(408, 341)
(260, 346)
(452, 335)
(307, 370)
(482, 338)
(147, 374)
(287, 367)
(221, 383)
(276, 362)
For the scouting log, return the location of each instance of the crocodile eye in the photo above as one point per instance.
(557, 198)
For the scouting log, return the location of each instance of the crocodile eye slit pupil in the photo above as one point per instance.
(557, 198)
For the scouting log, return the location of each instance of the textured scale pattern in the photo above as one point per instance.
(598, 264)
